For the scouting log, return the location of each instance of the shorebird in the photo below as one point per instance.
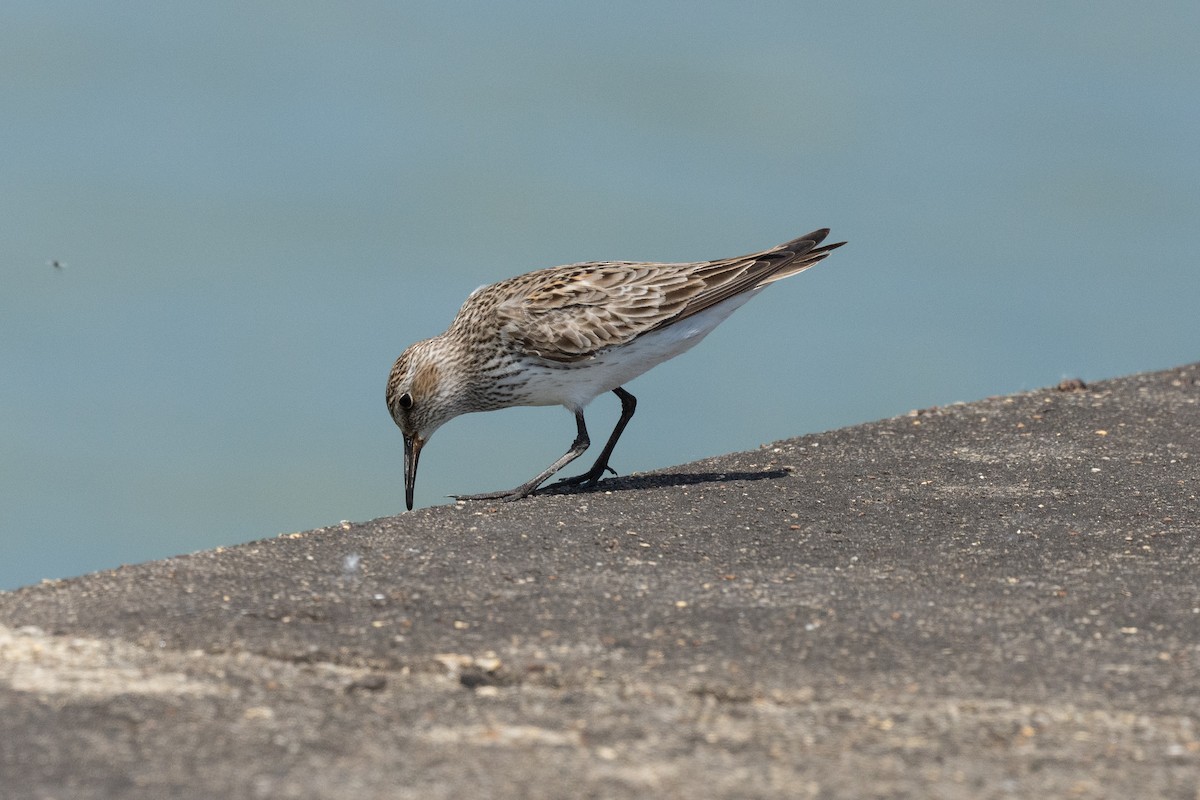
(566, 335)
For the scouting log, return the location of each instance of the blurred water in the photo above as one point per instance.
(260, 205)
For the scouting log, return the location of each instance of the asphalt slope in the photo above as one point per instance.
(993, 599)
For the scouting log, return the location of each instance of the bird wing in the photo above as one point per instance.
(569, 313)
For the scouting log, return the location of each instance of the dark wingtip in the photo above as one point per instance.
(815, 238)
(809, 241)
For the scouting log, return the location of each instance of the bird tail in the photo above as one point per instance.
(791, 258)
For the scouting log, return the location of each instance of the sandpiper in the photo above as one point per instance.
(565, 335)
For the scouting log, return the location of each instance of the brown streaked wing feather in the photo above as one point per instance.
(569, 313)
(729, 277)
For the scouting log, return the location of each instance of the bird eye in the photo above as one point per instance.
(406, 401)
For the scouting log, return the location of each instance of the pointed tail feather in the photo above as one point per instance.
(806, 255)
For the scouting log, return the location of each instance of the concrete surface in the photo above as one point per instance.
(994, 599)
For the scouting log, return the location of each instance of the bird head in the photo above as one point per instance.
(421, 400)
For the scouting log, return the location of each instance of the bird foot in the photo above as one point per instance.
(483, 496)
(512, 494)
(587, 479)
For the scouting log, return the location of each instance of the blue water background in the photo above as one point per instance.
(259, 205)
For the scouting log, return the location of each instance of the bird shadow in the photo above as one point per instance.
(663, 481)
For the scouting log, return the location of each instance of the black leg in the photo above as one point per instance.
(525, 489)
(593, 475)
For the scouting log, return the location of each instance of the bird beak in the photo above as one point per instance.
(412, 452)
